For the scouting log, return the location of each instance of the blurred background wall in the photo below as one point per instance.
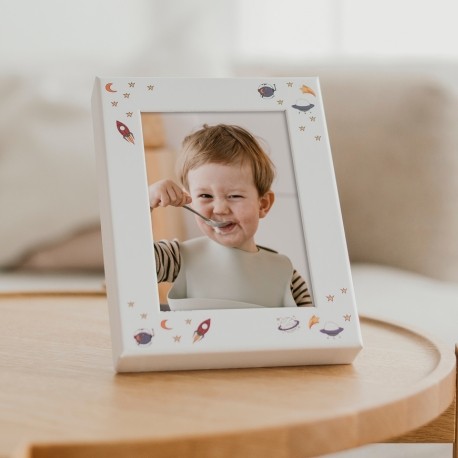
(50, 52)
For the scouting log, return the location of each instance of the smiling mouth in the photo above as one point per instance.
(225, 229)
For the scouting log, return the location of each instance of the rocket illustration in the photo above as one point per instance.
(125, 132)
(201, 330)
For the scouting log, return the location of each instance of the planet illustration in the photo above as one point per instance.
(331, 329)
(144, 336)
(288, 324)
(266, 90)
(303, 105)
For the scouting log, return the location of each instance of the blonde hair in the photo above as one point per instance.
(226, 144)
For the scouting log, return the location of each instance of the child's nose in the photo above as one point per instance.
(220, 206)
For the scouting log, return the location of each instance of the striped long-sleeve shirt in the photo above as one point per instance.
(168, 262)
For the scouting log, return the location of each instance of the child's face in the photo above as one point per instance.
(228, 193)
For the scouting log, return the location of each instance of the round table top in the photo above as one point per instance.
(58, 389)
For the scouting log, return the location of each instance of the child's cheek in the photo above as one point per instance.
(204, 228)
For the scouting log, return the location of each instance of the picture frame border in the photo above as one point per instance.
(144, 338)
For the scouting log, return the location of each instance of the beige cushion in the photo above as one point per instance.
(48, 184)
(395, 147)
(394, 137)
(79, 251)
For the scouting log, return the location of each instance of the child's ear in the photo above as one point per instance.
(265, 203)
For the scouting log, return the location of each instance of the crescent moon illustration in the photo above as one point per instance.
(164, 325)
(108, 87)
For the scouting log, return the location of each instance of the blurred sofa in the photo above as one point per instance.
(394, 137)
(48, 192)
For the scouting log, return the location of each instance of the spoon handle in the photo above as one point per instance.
(195, 212)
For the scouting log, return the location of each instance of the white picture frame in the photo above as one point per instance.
(146, 338)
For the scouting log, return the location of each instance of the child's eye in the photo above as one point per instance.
(235, 196)
(205, 196)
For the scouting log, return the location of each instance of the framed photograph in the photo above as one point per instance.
(271, 284)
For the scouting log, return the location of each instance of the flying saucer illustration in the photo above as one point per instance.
(331, 329)
(125, 132)
(144, 337)
(201, 330)
(288, 324)
(267, 91)
(303, 105)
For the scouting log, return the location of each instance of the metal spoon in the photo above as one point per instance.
(209, 221)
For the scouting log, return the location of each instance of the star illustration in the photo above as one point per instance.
(343, 290)
(129, 114)
(312, 118)
(114, 104)
(126, 95)
(131, 304)
(188, 321)
(143, 316)
(150, 87)
(302, 128)
(330, 298)
(318, 138)
(280, 102)
(290, 84)
(176, 338)
(132, 84)
(347, 317)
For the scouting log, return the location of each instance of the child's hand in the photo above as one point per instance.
(167, 192)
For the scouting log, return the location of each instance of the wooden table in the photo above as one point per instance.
(59, 396)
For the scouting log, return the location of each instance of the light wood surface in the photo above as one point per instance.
(59, 396)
